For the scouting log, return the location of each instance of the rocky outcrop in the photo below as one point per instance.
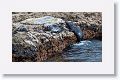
(89, 22)
(38, 40)
(40, 35)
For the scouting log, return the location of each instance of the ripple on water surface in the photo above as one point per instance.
(84, 51)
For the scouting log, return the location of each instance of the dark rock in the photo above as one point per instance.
(76, 30)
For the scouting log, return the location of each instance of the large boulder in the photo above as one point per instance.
(36, 39)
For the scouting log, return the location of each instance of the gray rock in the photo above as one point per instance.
(45, 38)
(46, 21)
(22, 29)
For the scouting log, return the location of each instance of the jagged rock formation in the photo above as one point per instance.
(37, 36)
(37, 39)
(90, 22)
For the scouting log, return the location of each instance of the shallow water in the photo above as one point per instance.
(84, 51)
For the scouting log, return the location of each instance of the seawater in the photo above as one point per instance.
(83, 51)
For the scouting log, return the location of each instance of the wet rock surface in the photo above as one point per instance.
(39, 36)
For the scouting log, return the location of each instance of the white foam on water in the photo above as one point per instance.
(86, 42)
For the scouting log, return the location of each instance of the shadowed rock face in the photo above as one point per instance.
(37, 36)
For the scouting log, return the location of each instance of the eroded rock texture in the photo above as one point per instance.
(36, 39)
(40, 35)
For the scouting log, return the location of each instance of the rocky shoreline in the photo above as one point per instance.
(36, 36)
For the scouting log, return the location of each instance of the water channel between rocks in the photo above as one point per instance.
(84, 51)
